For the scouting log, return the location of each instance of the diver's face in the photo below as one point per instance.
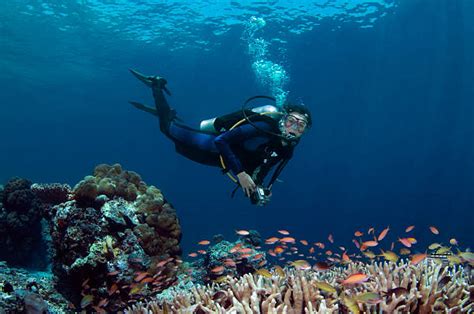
(295, 124)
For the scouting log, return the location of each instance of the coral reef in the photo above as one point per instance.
(20, 225)
(115, 240)
(392, 287)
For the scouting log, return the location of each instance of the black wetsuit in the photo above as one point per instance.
(244, 148)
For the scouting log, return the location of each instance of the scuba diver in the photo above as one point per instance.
(247, 143)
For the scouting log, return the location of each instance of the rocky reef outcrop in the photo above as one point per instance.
(115, 241)
(111, 241)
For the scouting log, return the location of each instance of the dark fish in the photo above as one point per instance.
(398, 291)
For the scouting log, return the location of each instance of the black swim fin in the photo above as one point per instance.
(144, 108)
(153, 111)
(150, 80)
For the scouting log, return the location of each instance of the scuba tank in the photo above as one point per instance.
(226, 122)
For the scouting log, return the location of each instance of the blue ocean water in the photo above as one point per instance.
(390, 85)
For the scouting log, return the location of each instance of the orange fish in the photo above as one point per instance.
(141, 275)
(355, 279)
(229, 262)
(331, 238)
(218, 269)
(453, 241)
(383, 234)
(201, 252)
(405, 242)
(245, 250)
(193, 254)
(371, 230)
(409, 228)
(320, 245)
(204, 242)
(272, 253)
(271, 240)
(311, 250)
(113, 288)
(358, 233)
(284, 232)
(416, 258)
(257, 256)
(412, 240)
(370, 243)
(113, 273)
(278, 250)
(147, 280)
(345, 257)
(304, 242)
(287, 240)
(329, 252)
(242, 232)
(434, 230)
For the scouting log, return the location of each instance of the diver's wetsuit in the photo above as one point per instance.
(244, 148)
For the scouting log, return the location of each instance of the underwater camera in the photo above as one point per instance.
(260, 197)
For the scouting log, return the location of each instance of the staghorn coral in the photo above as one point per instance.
(425, 291)
(115, 241)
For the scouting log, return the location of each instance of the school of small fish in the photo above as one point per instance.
(298, 253)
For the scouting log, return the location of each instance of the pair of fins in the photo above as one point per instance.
(148, 81)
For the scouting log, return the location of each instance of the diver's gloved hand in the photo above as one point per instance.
(246, 182)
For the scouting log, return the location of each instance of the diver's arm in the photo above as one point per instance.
(225, 140)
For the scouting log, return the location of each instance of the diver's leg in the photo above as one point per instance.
(163, 109)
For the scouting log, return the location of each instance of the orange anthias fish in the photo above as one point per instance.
(304, 242)
(383, 234)
(370, 243)
(242, 232)
(409, 228)
(418, 258)
(218, 269)
(193, 254)
(358, 233)
(355, 279)
(271, 240)
(278, 250)
(405, 242)
(320, 245)
(204, 242)
(287, 240)
(434, 230)
(284, 232)
(346, 258)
